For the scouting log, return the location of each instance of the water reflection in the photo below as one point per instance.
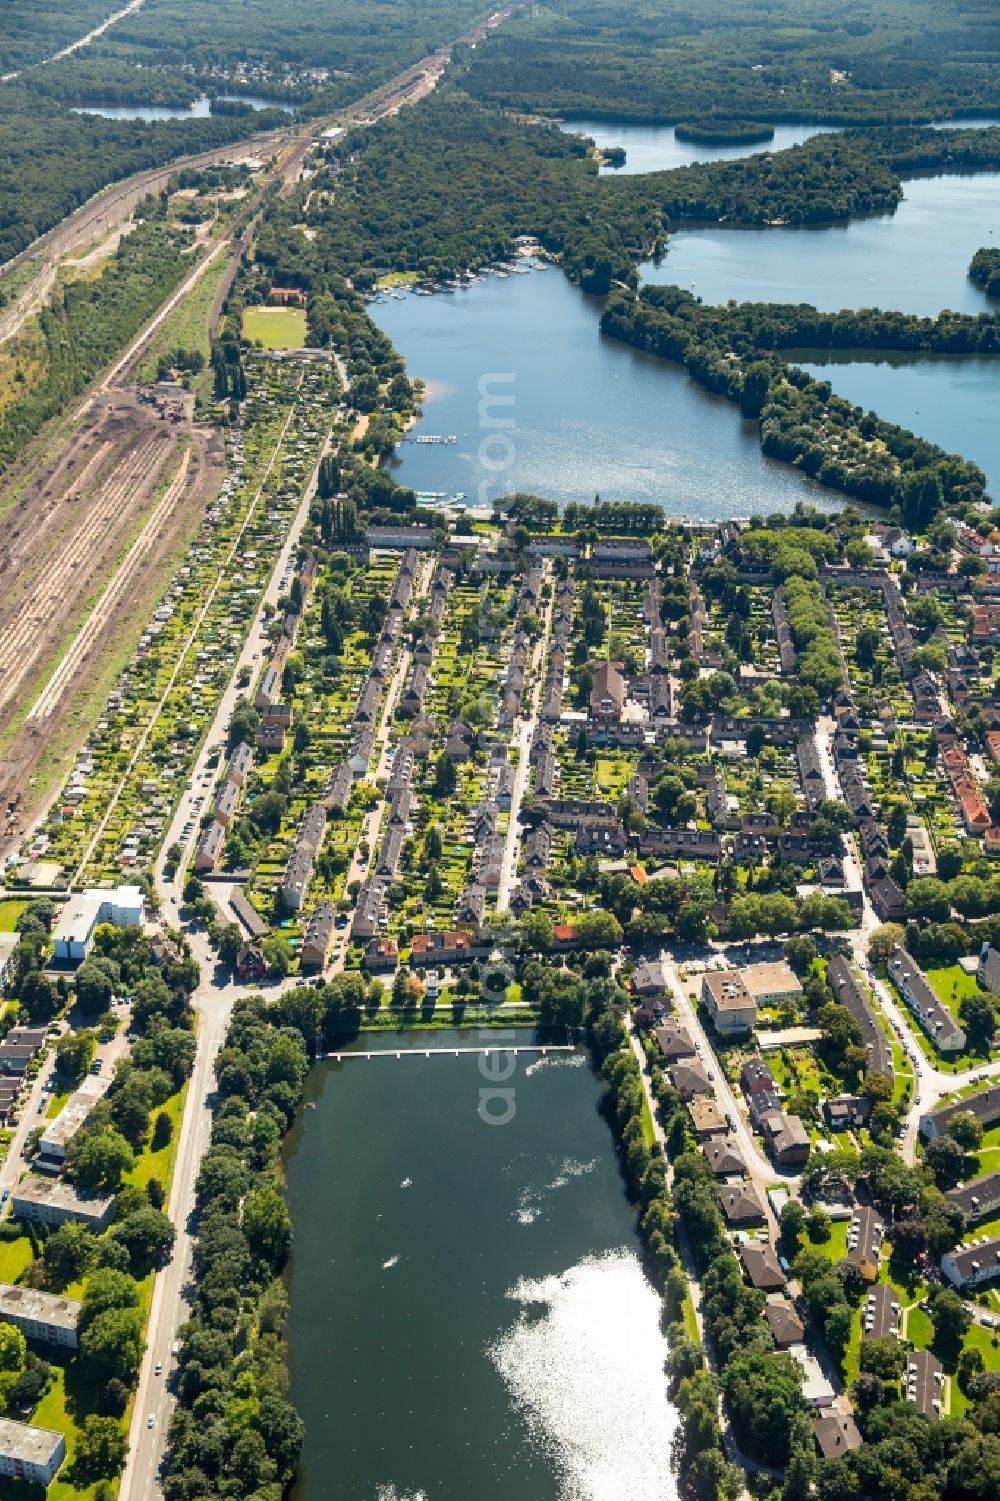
(584, 1363)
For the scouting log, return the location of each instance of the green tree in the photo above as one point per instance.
(75, 1053)
(68, 1254)
(111, 1345)
(101, 1447)
(101, 1160)
(267, 1226)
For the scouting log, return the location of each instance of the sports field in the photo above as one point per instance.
(275, 327)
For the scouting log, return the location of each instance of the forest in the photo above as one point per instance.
(984, 271)
(451, 183)
(52, 161)
(845, 62)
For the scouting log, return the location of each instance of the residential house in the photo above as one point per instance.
(124, 906)
(318, 936)
(880, 1312)
(381, 956)
(935, 1018)
(741, 1204)
(298, 870)
(368, 910)
(846, 1112)
(979, 1199)
(761, 1264)
(988, 971)
(674, 1041)
(786, 1138)
(923, 1382)
(984, 1105)
(724, 1157)
(690, 1079)
(783, 1322)
(649, 978)
(969, 1266)
(607, 694)
(836, 1433)
(865, 1235)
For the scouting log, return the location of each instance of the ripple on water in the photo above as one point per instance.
(584, 1362)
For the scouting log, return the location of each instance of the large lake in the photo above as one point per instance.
(199, 110)
(469, 1317)
(655, 148)
(589, 415)
(916, 259)
(952, 402)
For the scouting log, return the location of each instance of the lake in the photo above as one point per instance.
(589, 415)
(951, 401)
(916, 259)
(655, 148)
(468, 1315)
(199, 110)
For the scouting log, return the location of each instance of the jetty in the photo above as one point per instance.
(552, 1047)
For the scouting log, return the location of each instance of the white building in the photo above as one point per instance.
(728, 1002)
(969, 1265)
(28, 1453)
(60, 1132)
(74, 931)
(52, 1201)
(40, 1315)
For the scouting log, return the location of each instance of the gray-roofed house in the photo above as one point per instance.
(741, 1204)
(784, 1323)
(923, 1382)
(761, 1264)
(724, 1157)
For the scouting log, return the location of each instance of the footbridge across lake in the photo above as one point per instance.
(551, 1047)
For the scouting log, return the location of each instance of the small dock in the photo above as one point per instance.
(551, 1047)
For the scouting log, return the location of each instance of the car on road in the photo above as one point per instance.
(151, 1420)
(175, 1347)
(158, 1368)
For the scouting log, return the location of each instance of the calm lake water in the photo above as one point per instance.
(655, 148)
(916, 259)
(468, 1315)
(952, 402)
(590, 415)
(197, 111)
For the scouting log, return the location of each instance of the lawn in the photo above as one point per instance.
(275, 327)
(150, 1164)
(15, 1255)
(9, 913)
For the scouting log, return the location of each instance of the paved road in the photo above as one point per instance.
(524, 729)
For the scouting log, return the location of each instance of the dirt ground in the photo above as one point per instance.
(85, 547)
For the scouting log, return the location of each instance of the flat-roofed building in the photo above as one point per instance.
(29, 1453)
(706, 1117)
(123, 906)
(728, 1002)
(771, 984)
(816, 1389)
(40, 1315)
(60, 1132)
(53, 1201)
